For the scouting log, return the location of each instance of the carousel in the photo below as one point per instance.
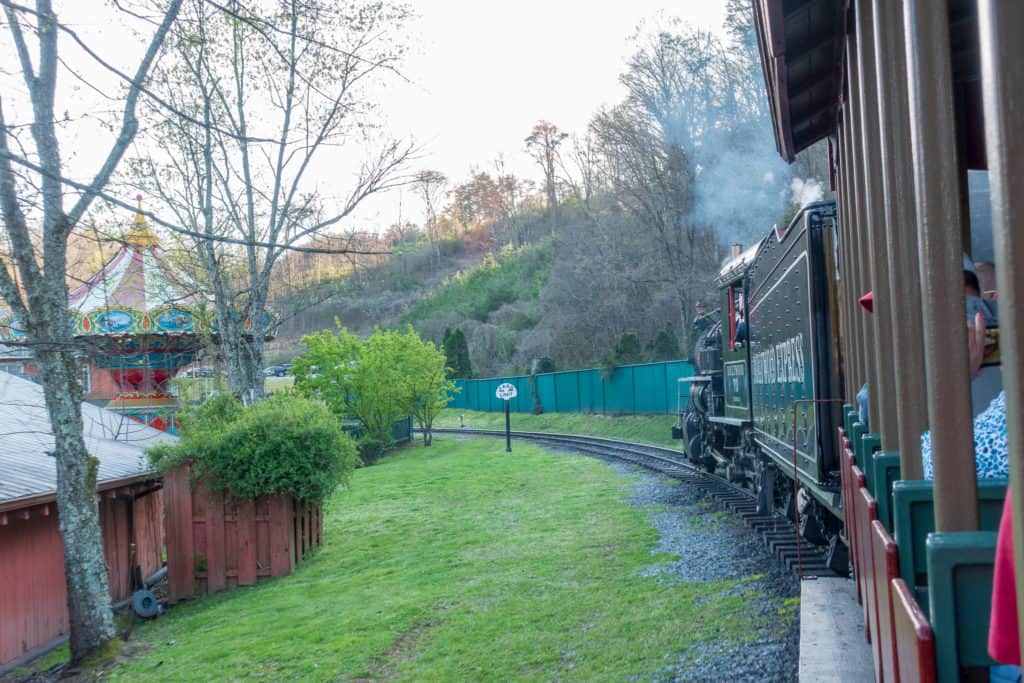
(137, 323)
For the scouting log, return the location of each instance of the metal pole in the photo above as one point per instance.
(862, 279)
(937, 187)
(1002, 73)
(883, 395)
(508, 427)
(849, 274)
(901, 222)
(850, 371)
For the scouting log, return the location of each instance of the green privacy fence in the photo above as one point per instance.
(631, 389)
(401, 431)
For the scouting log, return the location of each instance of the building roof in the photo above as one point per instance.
(15, 352)
(802, 47)
(28, 474)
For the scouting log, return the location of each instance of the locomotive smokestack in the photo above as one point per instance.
(737, 249)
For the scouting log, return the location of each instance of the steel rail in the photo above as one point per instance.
(776, 529)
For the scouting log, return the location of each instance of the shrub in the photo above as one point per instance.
(370, 449)
(284, 445)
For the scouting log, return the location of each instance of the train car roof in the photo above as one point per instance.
(802, 46)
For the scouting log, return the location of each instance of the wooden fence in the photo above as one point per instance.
(216, 543)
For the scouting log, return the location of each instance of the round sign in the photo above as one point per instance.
(506, 391)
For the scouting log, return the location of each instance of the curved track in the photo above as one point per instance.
(779, 533)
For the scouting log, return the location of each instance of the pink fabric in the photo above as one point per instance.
(1004, 631)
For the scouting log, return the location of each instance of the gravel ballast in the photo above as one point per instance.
(712, 545)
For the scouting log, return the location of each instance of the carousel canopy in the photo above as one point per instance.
(138, 294)
(138, 291)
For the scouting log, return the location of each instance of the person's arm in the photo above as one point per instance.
(976, 343)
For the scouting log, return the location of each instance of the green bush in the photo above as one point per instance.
(282, 445)
(370, 449)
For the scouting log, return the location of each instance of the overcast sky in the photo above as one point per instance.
(485, 72)
(480, 75)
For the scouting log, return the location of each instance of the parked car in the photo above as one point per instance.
(273, 371)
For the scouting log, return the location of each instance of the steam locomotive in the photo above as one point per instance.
(763, 404)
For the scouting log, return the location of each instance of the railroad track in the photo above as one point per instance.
(779, 533)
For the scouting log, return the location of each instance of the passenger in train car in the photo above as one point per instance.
(991, 452)
(740, 337)
(976, 303)
(986, 272)
(988, 382)
(868, 303)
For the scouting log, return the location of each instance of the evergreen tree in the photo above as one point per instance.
(628, 349)
(460, 348)
(665, 345)
(450, 354)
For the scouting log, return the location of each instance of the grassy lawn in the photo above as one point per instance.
(650, 429)
(193, 389)
(458, 563)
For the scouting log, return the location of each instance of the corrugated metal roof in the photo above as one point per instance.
(14, 352)
(26, 468)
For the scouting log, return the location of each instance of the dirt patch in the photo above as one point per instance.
(407, 646)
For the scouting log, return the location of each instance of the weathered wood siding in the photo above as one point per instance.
(216, 544)
(33, 595)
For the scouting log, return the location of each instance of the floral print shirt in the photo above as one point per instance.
(991, 453)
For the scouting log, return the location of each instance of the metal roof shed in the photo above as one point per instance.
(33, 597)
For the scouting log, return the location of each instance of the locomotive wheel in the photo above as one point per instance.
(765, 489)
(694, 448)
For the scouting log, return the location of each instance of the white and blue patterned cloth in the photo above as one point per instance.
(991, 453)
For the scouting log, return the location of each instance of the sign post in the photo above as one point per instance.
(507, 392)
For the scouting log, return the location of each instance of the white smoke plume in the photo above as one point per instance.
(804, 191)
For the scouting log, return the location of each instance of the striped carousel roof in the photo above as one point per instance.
(138, 279)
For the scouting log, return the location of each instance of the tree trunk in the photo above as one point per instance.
(90, 618)
(243, 360)
(428, 435)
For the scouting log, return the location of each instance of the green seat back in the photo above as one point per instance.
(960, 599)
(857, 430)
(849, 417)
(913, 511)
(868, 443)
(885, 470)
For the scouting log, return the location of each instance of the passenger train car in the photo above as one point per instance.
(910, 96)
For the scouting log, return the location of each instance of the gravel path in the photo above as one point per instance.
(715, 545)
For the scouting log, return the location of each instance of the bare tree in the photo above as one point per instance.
(34, 192)
(511, 194)
(271, 92)
(430, 185)
(581, 171)
(542, 143)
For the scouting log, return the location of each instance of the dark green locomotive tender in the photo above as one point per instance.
(761, 407)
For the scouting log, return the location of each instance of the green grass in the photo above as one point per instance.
(457, 563)
(515, 275)
(192, 389)
(655, 430)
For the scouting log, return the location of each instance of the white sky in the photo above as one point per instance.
(485, 72)
(482, 74)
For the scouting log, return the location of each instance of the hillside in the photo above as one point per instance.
(570, 296)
